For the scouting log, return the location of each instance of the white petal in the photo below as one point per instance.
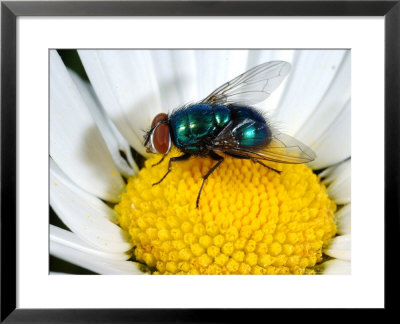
(126, 85)
(310, 78)
(343, 220)
(75, 142)
(66, 238)
(87, 216)
(257, 57)
(112, 137)
(176, 71)
(335, 267)
(331, 105)
(215, 67)
(326, 175)
(338, 179)
(334, 145)
(339, 247)
(93, 263)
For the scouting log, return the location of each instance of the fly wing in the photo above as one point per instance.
(286, 149)
(281, 148)
(251, 87)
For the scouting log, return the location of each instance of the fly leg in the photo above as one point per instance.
(259, 162)
(162, 159)
(174, 159)
(253, 159)
(219, 160)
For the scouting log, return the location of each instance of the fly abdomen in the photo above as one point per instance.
(250, 127)
(222, 116)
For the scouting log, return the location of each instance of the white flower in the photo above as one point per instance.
(93, 126)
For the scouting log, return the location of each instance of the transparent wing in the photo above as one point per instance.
(282, 148)
(251, 87)
(286, 149)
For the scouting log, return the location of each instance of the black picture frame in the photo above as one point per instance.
(10, 11)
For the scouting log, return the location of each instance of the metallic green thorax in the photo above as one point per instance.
(193, 124)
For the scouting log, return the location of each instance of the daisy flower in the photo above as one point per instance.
(251, 220)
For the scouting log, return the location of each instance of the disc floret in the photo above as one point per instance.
(251, 220)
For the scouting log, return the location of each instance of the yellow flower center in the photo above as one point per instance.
(250, 220)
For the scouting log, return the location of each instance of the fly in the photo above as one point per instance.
(226, 122)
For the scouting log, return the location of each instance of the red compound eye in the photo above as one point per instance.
(158, 118)
(161, 139)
